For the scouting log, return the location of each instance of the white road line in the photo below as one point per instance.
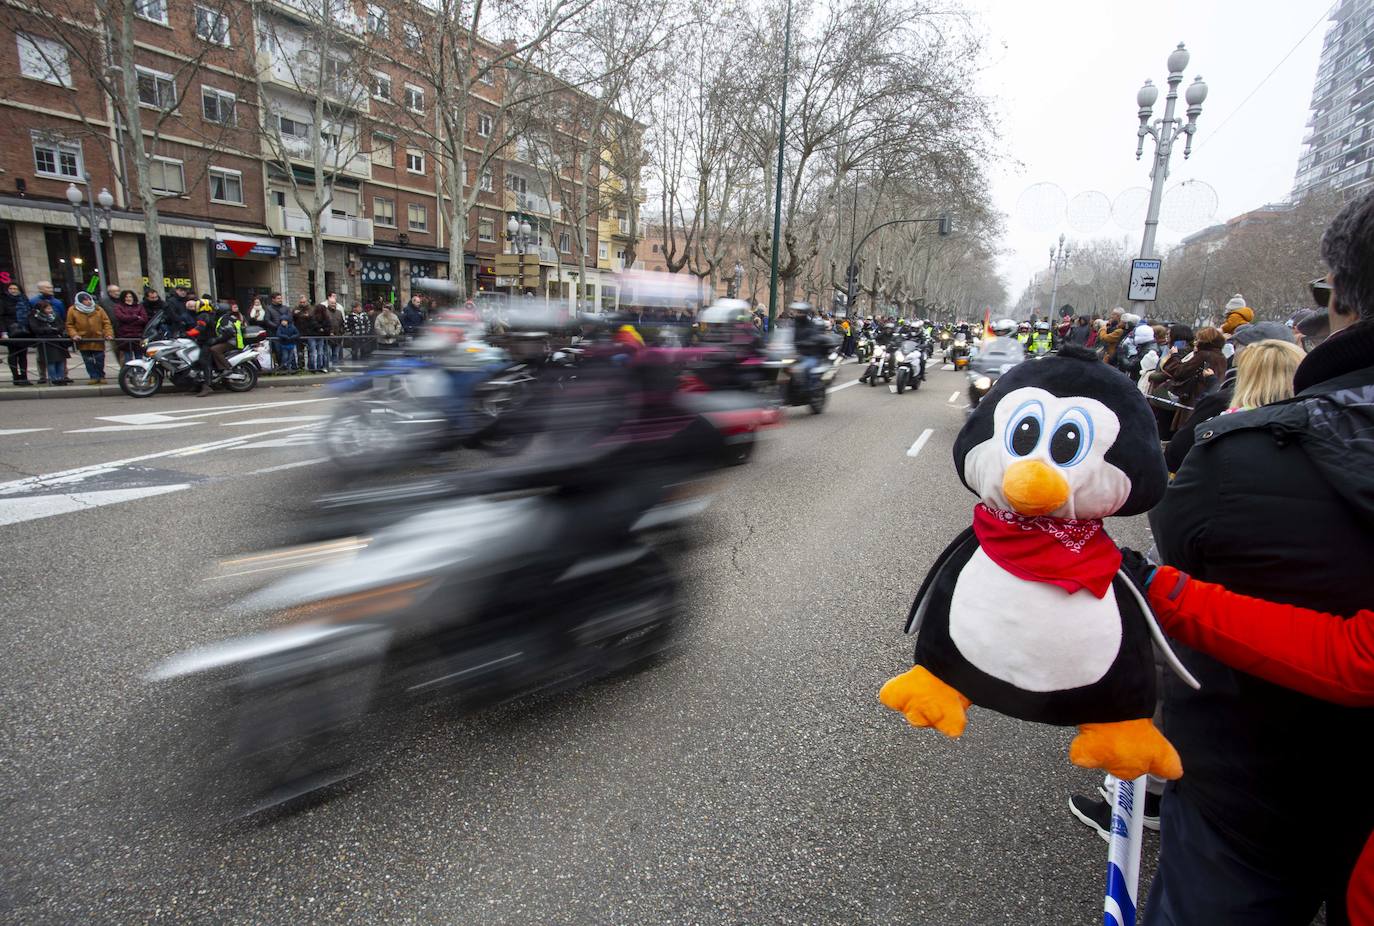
(852, 382)
(146, 418)
(8, 431)
(16, 510)
(159, 426)
(915, 448)
(48, 480)
(282, 420)
(953, 397)
(282, 466)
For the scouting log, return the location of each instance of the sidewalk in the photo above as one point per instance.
(11, 392)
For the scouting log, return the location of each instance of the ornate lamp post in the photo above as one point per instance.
(1165, 132)
(96, 214)
(1058, 258)
(520, 236)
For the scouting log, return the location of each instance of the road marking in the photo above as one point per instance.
(282, 420)
(282, 466)
(48, 480)
(915, 448)
(953, 397)
(8, 431)
(948, 366)
(15, 510)
(852, 382)
(146, 418)
(160, 426)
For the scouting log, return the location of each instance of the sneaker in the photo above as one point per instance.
(22, 382)
(1151, 818)
(1093, 813)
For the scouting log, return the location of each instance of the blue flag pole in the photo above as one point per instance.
(1123, 852)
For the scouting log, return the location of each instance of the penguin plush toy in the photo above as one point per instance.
(1027, 612)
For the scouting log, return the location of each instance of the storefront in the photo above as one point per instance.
(72, 266)
(405, 265)
(245, 266)
(379, 277)
(178, 263)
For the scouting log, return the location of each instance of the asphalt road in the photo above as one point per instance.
(751, 778)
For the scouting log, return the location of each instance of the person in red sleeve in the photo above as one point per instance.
(1321, 655)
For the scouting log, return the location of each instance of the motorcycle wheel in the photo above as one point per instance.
(241, 378)
(901, 381)
(651, 583)
(358, 441)
(817, 403)
(871, 377)
(915, 383)
(739, 454)
(138, 383)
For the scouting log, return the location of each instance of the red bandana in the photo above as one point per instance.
(1073, 554)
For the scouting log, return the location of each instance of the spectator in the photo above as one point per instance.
(1191, 375)
(1286, 486)
(287, 337)
(89, 328)
(359, 328)
(130, 319)
(413, 316)
(1237, 314)
(45, 293)
(1151, 352)
(305, 327)
(154, 306)
(14, 327)
(334, 345)
(52, 350)
(109, 300)
(1264, 373)
(316, 343)
(388, 328)
(257, 313)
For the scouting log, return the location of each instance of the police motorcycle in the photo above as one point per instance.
(909, 360)
(170, 356)
(994, 358)
(451, 388)
(803, 368)
(1041, 340)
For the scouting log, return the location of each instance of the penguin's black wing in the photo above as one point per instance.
(965, 538)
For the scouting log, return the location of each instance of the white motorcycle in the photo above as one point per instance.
(178, 360)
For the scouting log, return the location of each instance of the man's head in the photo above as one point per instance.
(180, 290)
(333, 298)
(276, 298)
(1348, 250)
(1116, 314)
(112, 291)
(13, 289)
(44, 287)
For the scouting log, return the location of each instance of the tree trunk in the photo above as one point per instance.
(127, 106)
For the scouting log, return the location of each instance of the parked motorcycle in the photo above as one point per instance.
(177, 360)
(910, 361)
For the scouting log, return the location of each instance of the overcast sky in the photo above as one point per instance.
(1064, 76)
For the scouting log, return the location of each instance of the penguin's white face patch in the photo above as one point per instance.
(1071, 434)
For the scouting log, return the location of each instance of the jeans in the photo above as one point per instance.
(287, 353)
(57, 370)
(316, 353)
(336, 352)
(95, 363)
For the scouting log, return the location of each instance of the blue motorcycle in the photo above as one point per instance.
(464, 395)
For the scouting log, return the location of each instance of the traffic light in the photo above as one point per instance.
(851, 281)
(945, 227)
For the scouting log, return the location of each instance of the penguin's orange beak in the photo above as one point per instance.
(1034, 488)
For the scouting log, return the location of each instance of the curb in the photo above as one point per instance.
(19, 393)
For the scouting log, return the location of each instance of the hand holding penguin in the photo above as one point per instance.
(1027, 612)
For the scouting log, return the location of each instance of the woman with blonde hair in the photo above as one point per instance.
(1264, 374)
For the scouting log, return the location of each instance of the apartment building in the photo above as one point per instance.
(244, 107)
(1339, 144)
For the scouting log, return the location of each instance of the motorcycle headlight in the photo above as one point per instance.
(151, 352)
(900, 358)
(982, 384)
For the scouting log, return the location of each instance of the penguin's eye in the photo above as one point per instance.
(1026, 424)
(1072, 437)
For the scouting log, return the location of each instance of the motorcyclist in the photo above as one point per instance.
(1023, 333)
(1042, 341)
(202, 331)
(228, 336)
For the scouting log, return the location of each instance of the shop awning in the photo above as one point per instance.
(438, 255)
(240, 245)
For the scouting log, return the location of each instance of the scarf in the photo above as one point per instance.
(1071, 553)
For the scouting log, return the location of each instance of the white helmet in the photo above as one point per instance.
(1003, 326)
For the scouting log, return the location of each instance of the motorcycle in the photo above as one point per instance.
(959, 351)
(910, 361)
(883, 364)
(863, 350)
(997, 357)
(177, 359)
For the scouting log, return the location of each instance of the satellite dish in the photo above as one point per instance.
(1089, 211)
(1041, 207)
(1189, 206)
(1130, 206)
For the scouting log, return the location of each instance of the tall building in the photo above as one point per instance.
(1339, 144)
(245, 108)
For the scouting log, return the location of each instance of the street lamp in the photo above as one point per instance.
(736, 281)
(1165, 132)
(1058, 258)
(520, 236)
(96, 213)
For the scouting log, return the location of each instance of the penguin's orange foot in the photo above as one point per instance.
(926, 701)
(1127, 749)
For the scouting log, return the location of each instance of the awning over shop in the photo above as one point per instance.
(242, 246)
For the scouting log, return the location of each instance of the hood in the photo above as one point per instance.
(1339, 440)
(84, 303)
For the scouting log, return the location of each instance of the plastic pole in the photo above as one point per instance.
(1123, 853)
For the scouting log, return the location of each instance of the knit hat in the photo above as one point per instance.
(1261, 331)
(1237, 314)
(1143, 335)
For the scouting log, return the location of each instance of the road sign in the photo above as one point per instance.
(1144, 280)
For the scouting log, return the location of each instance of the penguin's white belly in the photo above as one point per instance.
(1033, 635)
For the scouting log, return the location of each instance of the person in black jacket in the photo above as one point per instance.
(1276, 503)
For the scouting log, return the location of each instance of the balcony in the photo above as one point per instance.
(312, 12)
(532, 204)
(285, 220)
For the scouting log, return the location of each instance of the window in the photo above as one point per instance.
(415, 160)
(486, 184)
(602, 252)
(381, 151)
(156, 89)
(486, 229)
(415, 98)
(411, 37)
(226, 186)
(381, 86)
(376, 19)
(55, 158)
(564, 243)
(44, 59)
(165, 176)
(517, 184)
(483, 125)
(417, 218)
(384, 212)
(212, 25)
(217, 105)
(152, 10)
(292, 128)
(484, 72)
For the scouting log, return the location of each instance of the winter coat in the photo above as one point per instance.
(59, 310)
(336, 322)
(388, 328)
(1078, 334)
(358, 324)
(287, 335)
(1185, 376)
(272, 314)
(411, 319)
(1278, 503)
(14, 315)
(304, 322)
(46, 327)
(1206, 408)
(90, 330)
(129, 322)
